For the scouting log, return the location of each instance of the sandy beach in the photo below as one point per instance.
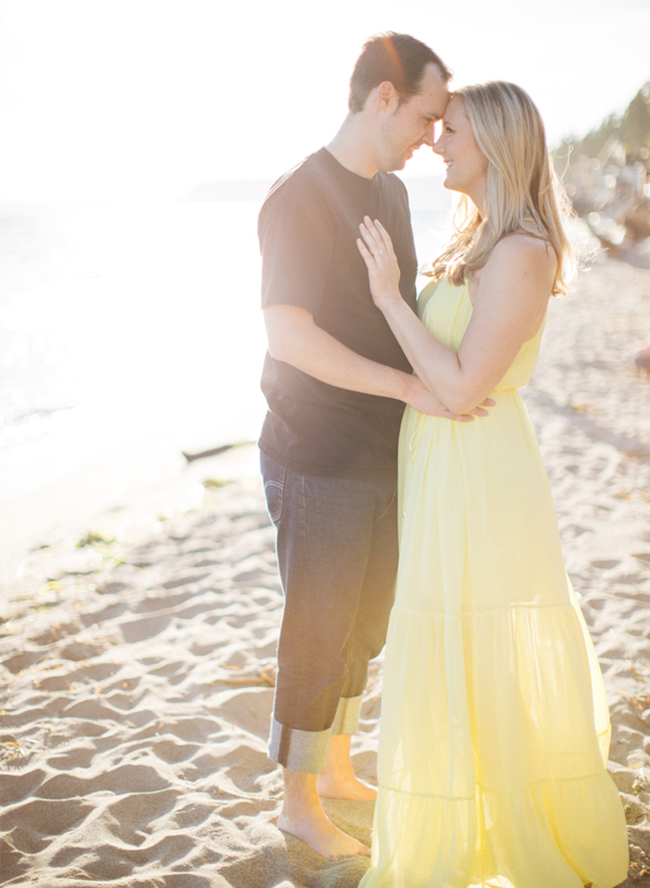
(137, 669)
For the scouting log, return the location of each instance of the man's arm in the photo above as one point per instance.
(296, 339)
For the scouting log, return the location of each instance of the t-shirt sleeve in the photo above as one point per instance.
(297, 244)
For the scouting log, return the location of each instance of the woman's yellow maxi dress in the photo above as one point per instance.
(494, 727)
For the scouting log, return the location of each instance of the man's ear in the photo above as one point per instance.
(387, 95)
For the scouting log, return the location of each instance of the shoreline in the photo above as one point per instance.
(125, 496)
(137, 671)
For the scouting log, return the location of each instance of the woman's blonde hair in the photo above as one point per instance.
(524, 193)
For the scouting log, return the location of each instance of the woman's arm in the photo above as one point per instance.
(509, 305)
(294, 338)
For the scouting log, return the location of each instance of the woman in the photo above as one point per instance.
(495, 727)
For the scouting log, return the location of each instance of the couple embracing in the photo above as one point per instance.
(397, 424)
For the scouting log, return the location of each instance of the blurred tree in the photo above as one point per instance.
(618, 140)
(635, 126)
(606, 171)
(594, 142)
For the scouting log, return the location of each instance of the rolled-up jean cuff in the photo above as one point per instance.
(346, 719)
(301, 751)
(306, 751)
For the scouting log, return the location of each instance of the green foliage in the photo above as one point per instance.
(594, 142)
(215, 482)
(92, 539)
(631, 131)
(635, 126)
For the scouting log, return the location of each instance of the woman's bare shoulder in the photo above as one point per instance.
(522, 251)
(519, 264)
(525, 244)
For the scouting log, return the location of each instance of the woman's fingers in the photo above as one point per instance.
(377, 252)
(384, 235)
(368, 241)
(376, 237)
(363, 249)
(372, 236)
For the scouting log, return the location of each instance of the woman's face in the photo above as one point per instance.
(466, 164)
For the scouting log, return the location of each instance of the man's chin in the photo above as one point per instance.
(399, 164)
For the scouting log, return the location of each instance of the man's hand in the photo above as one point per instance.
(421, 399)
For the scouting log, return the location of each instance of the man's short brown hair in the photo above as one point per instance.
(398, 58)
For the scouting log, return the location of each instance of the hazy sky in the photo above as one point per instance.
(119, 99)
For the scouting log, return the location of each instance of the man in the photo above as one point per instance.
(336, 382)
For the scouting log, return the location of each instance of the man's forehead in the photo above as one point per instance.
(437, 107)
(433, 95)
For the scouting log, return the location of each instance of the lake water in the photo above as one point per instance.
(132, 326)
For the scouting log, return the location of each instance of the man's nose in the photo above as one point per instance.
(437, 146)
(427, 139)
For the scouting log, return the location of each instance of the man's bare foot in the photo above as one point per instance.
(303, 817)
(322, 836)
(337, 787)
(337, 780)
